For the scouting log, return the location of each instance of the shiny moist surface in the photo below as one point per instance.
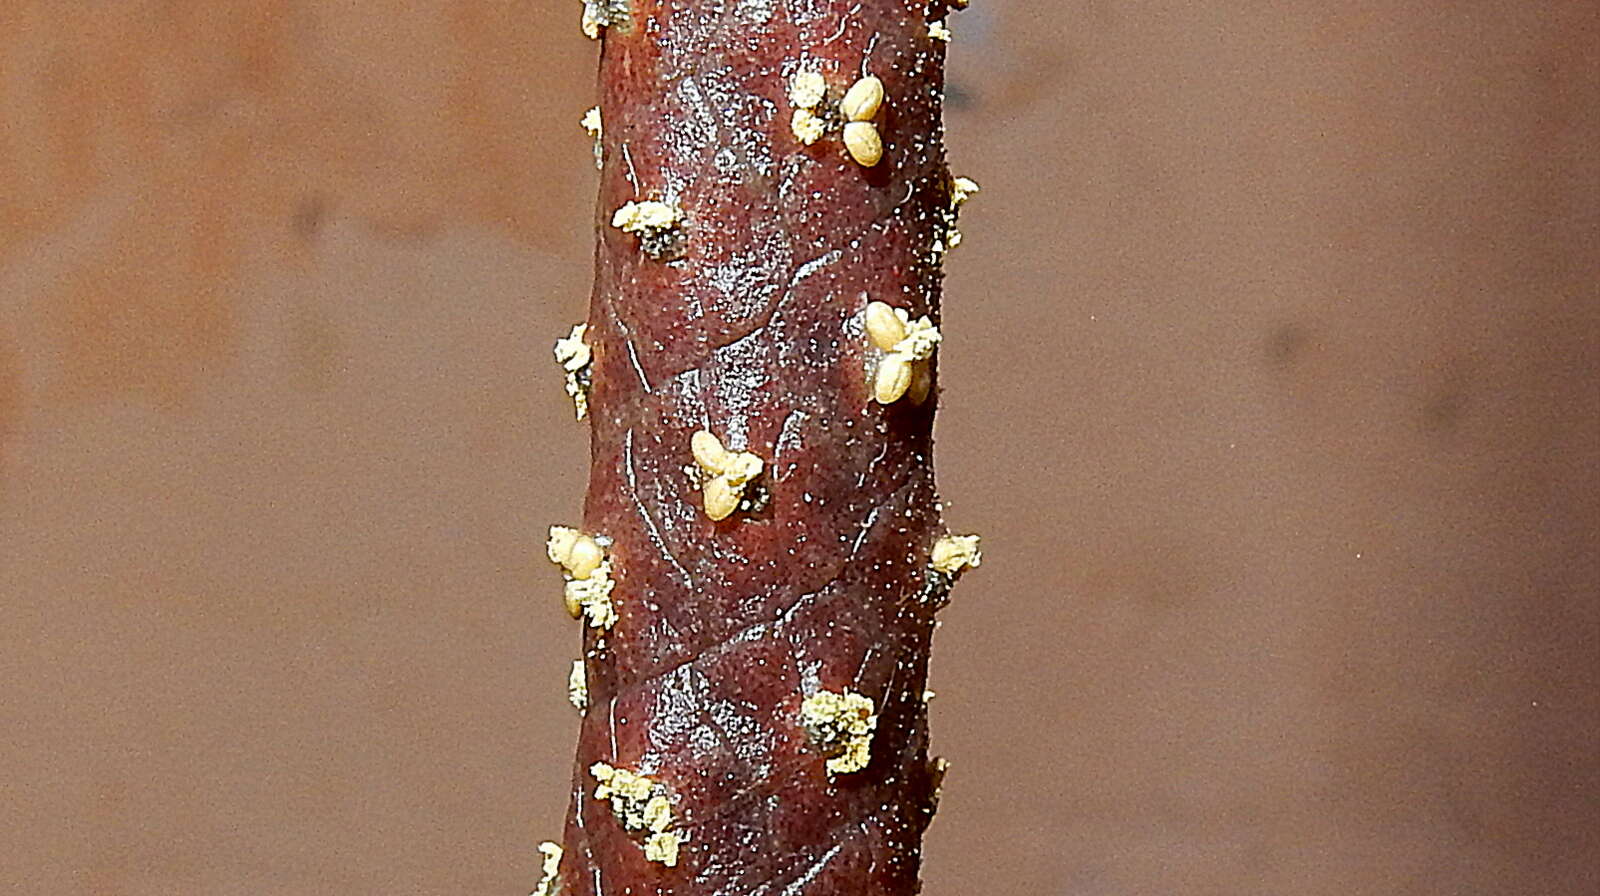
(754, 332)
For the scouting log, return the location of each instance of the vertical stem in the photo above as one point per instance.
(756, 721)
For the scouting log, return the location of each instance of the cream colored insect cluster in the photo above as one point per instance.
(859, 106)
(811, 121)
(908, 345)
(574, 355)
(578, 686)
(939, 31)
(599, 14)
(595, 128)
(953, 554)
(950, 556)
(640, 803)
(588, 575)
(961, 189)
(724, 474)
(657, 225)
(548, 885)
(841, 723)
(806, 92)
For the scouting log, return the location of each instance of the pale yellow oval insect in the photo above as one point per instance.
(584, 558)
(864, 144)
(892, 380)
(862, 100)
(721, 498)
(708, 452)
(884, 326)
(559, 546)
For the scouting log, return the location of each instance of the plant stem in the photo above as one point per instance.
(743, 316)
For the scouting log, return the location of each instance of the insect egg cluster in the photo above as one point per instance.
(859, 106)
(640, 803)
(841, 723)
(658, 225)
(812, 118)
(726, 474)
(588, 575)
(806, 92)
(551, 866)
(909, 345)
(574, 355)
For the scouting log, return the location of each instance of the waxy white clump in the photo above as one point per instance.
(841, 723)
(919, 341)
(588, 575)
(662, 846)
(574, 355)
(593, 597)
(806, 126)
(655, 223)
(552, 865)
(596, 129)
(806, 89)
(644, 217)
(954, 553)
(578, 686)
(640, 803)
(599, 14)
(961, 189)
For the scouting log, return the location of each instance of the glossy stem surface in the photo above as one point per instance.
(751, 327)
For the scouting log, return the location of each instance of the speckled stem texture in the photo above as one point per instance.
(753, 329)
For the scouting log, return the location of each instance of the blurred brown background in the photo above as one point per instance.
(1271, 380)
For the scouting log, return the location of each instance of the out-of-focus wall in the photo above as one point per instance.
(1270, 378)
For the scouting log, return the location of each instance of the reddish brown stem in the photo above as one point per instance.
(746, 320)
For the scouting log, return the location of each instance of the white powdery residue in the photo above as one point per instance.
(552, 865)
(593, 596)
(953, 553)
(596, 129)
(806, 89)
(574, 354)
(599, 14)
(841, 723)
(640, 803)
(578, 686)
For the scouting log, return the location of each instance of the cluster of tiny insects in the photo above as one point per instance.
(814, 117)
